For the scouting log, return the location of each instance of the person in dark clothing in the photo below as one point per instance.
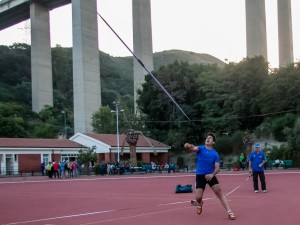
(43, 168)
(257, 160)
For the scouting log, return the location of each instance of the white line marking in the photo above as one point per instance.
(148, 176)
(175, 203)
(60, 217)
(93, 179)
(135, 216)
(233, 190)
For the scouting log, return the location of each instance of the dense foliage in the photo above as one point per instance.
(87, 155)
(240, 97)
(231, 101)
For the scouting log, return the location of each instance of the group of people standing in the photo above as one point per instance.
(63, 169)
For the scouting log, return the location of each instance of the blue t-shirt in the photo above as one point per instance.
(257, 158)
(206, 159)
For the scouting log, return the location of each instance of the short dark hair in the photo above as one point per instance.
(212, 135)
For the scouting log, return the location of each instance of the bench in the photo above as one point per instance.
(288, 163)
(147, 168)
(270, 164)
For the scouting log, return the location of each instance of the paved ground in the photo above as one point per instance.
(146, 199)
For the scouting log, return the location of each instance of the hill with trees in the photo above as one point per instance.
(233, 100)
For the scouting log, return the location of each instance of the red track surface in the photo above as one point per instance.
(147, 200)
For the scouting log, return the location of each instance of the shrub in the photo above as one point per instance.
(180, 162)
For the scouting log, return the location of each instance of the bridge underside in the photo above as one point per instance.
(15, 11)
(86, 67)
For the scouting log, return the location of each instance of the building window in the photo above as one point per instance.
(68, 157)
(46, 158)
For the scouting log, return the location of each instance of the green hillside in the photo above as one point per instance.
(168, 57)
(116, 73)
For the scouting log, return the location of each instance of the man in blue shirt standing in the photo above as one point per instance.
(256, 167)
(207, 166)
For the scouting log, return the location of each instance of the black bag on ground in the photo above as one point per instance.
(184, 189)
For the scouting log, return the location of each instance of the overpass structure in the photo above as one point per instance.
(86, 65)
(16, 11)
(256, 30)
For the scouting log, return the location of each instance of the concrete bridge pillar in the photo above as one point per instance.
(285, 33)
(142, 42)
(86, 65)
(41, 64)
(256, 33)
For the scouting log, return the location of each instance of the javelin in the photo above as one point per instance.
(248, 177)
(148, 71)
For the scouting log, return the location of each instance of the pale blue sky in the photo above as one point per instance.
(215, 27)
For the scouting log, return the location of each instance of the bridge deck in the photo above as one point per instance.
(16, 11)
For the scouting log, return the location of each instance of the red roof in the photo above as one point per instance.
(38, 143)
(111, 139)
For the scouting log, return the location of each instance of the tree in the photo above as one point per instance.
(282, 123)
(180, 162)
(62, 71)
(86, 156)
(230, 96)
(15, 64)
(103, 121)
(132, 138)
(280, 91)
(264, 130)
(11, 120)
(162, 116)
(48, 123)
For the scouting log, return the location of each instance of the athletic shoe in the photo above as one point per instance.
(264, 191)
(231, 215)
(256, 191)
(199, 208)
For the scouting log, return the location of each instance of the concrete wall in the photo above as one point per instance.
(41, 64)
(86, 65)
(285, 33)
(142, 42)
(256, 33)
(29, 162)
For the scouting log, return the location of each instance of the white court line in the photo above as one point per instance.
(175, 203)
(231, 173)
(122, 177)
(60, 217)
(268, 173)
(135, 216)
(86, 214)
(144, 214)
(233, 190)
(137, 177)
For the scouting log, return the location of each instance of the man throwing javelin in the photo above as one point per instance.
(207, 166)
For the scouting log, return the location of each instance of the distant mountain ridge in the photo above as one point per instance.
(169, 56)
(116, 72)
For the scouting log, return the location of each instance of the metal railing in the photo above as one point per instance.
(20, 173)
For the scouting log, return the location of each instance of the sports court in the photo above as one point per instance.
(146, 200)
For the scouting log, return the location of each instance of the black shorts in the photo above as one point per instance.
(201, 181)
